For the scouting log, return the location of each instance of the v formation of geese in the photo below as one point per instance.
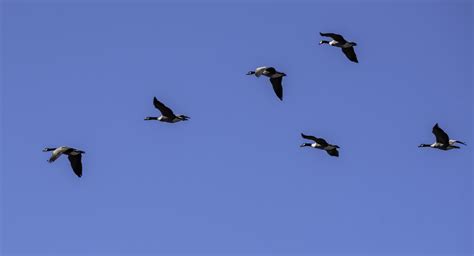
(276, 78)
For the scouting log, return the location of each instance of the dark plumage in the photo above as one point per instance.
(276, 78)
(74, 156)
(321, 143)
(339, 41)
(167, 114)
(442, 140)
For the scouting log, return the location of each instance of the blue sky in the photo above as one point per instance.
(233, 180)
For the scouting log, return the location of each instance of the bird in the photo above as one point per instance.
(339, 41)
(167, 114)
(320, 143)
(74, 156)
(275, 78)
(442, 140)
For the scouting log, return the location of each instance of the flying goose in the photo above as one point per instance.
(275, 78)
(74, 156)
(339, 41)
(442, 140)
(167, 114)
(320, 144)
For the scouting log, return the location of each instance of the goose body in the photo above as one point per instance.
(275, 76)
(339, 41)
(167, 114)
(74, 156)
(442, 140)
(322, 144)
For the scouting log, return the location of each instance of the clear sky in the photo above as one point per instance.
(233, 180)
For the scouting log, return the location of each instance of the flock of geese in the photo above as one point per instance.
(443, 142)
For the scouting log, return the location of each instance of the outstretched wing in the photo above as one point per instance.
(336, 37)
(320, 141)
(441, 136)
(333, 152)
(277, 87)
(350, 54)
(76, 164)
(162, 108)
(57, 153)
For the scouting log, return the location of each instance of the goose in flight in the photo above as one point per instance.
(74, 156)
(275, 78)
(339, 41)
(442, 140)
(320, 143)
(167, 114)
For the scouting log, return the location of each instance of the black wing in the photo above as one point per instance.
(76, 164)
(350, 54)
(162, 108)
(336, 37)
(276, 83)
(308, 137)
(333, 152)
(270, 70)
(441, 136)
(320, 141)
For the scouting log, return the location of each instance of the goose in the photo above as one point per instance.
(339, 41)
(442, 140)
(320, 143)
(74, 156)
(167, 114)
(275, 78)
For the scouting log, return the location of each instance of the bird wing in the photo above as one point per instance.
(336, 37)
(322, 142)
(276, 83)
(57, 153)
(333, 152)
(350, 54)
(76, 164)
(269, 71)
(162, 108)
(309, 137)
(259, 71)
(441, 136)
